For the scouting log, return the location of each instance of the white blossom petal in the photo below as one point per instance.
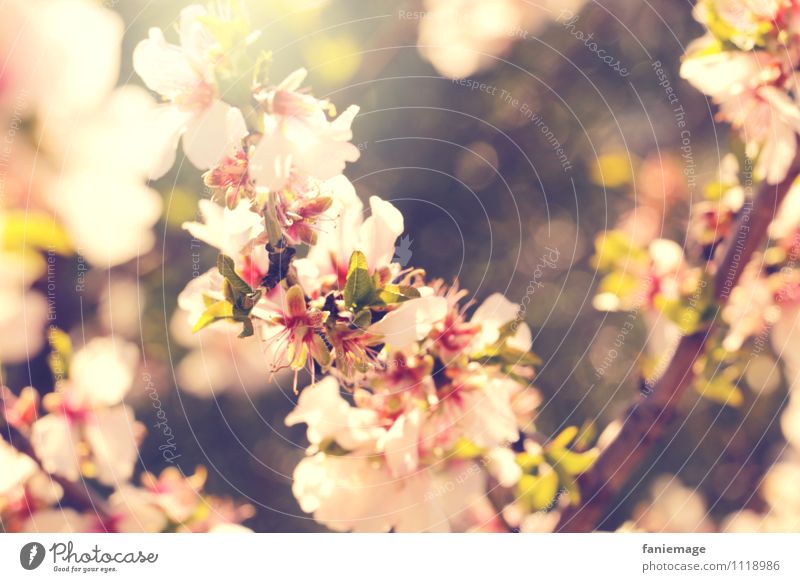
(166, 125)
(329, 416)
(502, 464)
(164, 67)
(102, 371)
(400, 444)
(196, 40)
(54, 440)
(271, 160)
(206, 140)
(411, 322)
(379, 233)
(114, 451)
(17, 468)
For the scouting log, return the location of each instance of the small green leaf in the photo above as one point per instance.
(538, 491)
(564, 438)
(215, 312)
(247, 328)
(504, 354)
(466, 449)
(613, 247)
(359, 289)
(529, 461)
(227, 269)
(321, 353)
(261, 68)
(397, 293)
(620, 283)
(60, 354)
(692, 312)
(570, 462)
(722, 391)
(332, 448)
(34, 229)
(228, 27)
(240, 299)
(271, 223)
(244, 304)
(586, 436)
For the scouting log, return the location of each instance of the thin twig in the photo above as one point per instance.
(646, 420)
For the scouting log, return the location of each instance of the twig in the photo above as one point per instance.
(646, 420)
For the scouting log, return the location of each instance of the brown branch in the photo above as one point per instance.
(646, 420)
(77, 495)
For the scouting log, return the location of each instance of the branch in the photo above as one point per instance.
(646, 420)
(77, 495)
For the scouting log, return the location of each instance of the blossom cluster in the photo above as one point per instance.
(73, 181)
(746, 62)
(82, 433)
(425, 404)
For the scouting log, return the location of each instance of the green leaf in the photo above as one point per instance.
(397, 293)
(538, 491)
(570, 484)
(321, 353)
(570, 462)
(331, 447)
(227, 269)
(730, 34)
(564, 438)
(261, 68)
(529, 461)
(613, 247)
(586, 436)
(359, 289)
(271, 222)
(620, 283)
(247, 328)
(692, 312)
(504, 354)
(466, 449)
(60, 354)
(215, 312)
(240, 299)
(34, 229)
(228, 26)
(721, 390)
(244, 304)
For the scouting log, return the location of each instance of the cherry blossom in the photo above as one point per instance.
(185, 78)
(87, 424)
(297, 134)
(343, 229)
(753, 85)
